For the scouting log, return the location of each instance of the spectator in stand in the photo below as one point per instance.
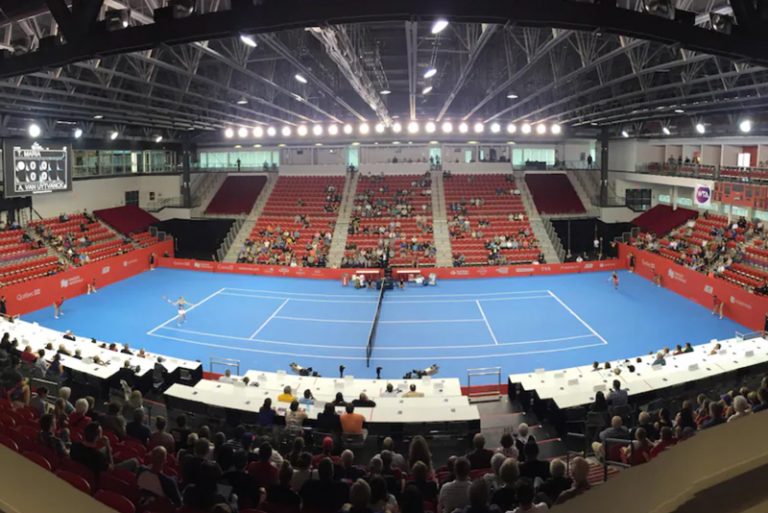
(617, 430)
(114, 421)
(455, 495)
(181, 432)
(328, 420)
(507, 447)
(639, 451)
(294, 418)
(715, 415)
(419, 451)
(137, 428)
(420, 479)
(644, 421)
(161, 436)
(381, 500)
(38, 401)
(262, 471)
(348, 470)
(154, 482)
(390, 391)
(79, 418)
(493, 478)
(296, 450)
(659, 359)
(339, 400)
(617, 396)
(326, 495)
(532, 467)
(479, 457)
(308, 399)
(684, 418)
(741, 408)
(360, 497)
(580, 475)
(28, 356)
(302, 471)
(41, 366)
(204, 495)
(55, 370)
(286, 396)
(190, 462)
(327, 452)
(522, 439)
(666, 439)
(663, 419)
(47, 437)
(267, 415)
(352, 423)
(363, 401)
(505, 497)
(95, 452)
(557, 483)
(525, 496)
(412, 500)
(413, 393)
(762, 395)
(398, 461)
(280, 496)
(478, 499)
(62, 419)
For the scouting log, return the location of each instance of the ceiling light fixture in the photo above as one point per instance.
(495, 128)
(526, 128)
(348, 129)
(158, 138)
(700, 128)
(78, 133)
(512, 96)
(397, 128)
(430, 127)
(248, 40)
(624, 134)
(426, 90)
(229, 133)
(413, 127)
(447, 127)
(113, 135)
(271, 131)
(556, 129)
(34, 130)
(665, 130)
(317, 130)
(302, 130)
(463, 128)
(242, 132)
(431, 72)
(333, 129)
(300, 78)
(541, 129)
(364, 128)
(379, 128)
(439, 25)
(286, 131)
(385, 92)
(511, 128)
(479, 128)
(257, 132)
(745, 126)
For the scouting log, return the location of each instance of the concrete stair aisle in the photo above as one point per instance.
(230, 252)
(586, 193)
(341, 230)
(537, 225)
(440, 222)
(203, 190)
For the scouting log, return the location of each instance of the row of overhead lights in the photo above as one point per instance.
(745, 127)
(35, 131)
(413, 127)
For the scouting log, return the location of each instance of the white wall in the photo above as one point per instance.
(730, 155)
(100, 193)
(710, 155)
(622, 154)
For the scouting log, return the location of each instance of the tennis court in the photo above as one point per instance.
(518, 324)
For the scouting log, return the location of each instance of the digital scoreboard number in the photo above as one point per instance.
(36, 170)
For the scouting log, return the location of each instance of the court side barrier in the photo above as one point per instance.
(740, 305)
(440, 272)
(42, 292)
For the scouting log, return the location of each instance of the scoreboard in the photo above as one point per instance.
(35, 169)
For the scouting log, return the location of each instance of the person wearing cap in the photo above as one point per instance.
(327, 452)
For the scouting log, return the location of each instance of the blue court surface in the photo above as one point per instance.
(518, 324)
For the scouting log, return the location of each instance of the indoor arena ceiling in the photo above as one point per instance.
(375, 70)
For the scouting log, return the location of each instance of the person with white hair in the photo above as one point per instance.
(493, 479)
(521, 439)
(78, 419)
(65, 393)
(740, 407)
(580, 475)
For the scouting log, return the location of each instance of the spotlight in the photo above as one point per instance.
(526, 128)
(495, 128)
(745, 126)
(364, 128)
(397, 128)
(300, 78)
(665, 130)
(333, 129)
(511, 128)
(379, 128)
(661, 8)
(182, 8)
(447, 127)
(242, 132)
(413, 127)
(479, 127)
(229, 133)
(512, 96)
(700, 128)
(431, 72)
(285, 131)
(242, 101)
(556, 129)
(271, 131)
(426, 90)
(258, 132)
(463, 128)
(439, 25)
(430, 127)
(317, 130)
(34, 130)
(541, 129)
(624, 134)
(302, 130)
(117, 19)
(721, 22)
(385, 92)
(78, 133)
(98, 116)
(113, 135)
(679, 111)
(158, 138)
(248, 40)
(348, 129)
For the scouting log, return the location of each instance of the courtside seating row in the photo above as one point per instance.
(31, 274)
(15, 248)
(9, 270)
(143, 239)
(115, 488)
(9, 236)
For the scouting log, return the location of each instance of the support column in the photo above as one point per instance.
(186, 164)
(604, 166)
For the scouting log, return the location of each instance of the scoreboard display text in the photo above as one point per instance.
(36, 169)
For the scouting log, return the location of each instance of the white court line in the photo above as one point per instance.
(150, 332)
(396, 302)
(388, 348)
(595, 333)
(487, 325)
(297, 299)
(264, 324)
(347, 321)
(409, 295)
(381, 358)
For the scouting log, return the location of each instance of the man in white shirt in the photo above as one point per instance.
(455, 495)
(227, 377)
(390, 391)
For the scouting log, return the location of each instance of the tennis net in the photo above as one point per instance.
(372, 334)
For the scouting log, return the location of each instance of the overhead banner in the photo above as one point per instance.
(703, 195)
(32, 168)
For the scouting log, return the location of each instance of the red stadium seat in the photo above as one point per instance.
(8, 442)
(115, 501)
(75, 480)
(78, 469)
(39, 459)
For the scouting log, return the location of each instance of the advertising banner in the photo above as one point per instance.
(702, 195)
